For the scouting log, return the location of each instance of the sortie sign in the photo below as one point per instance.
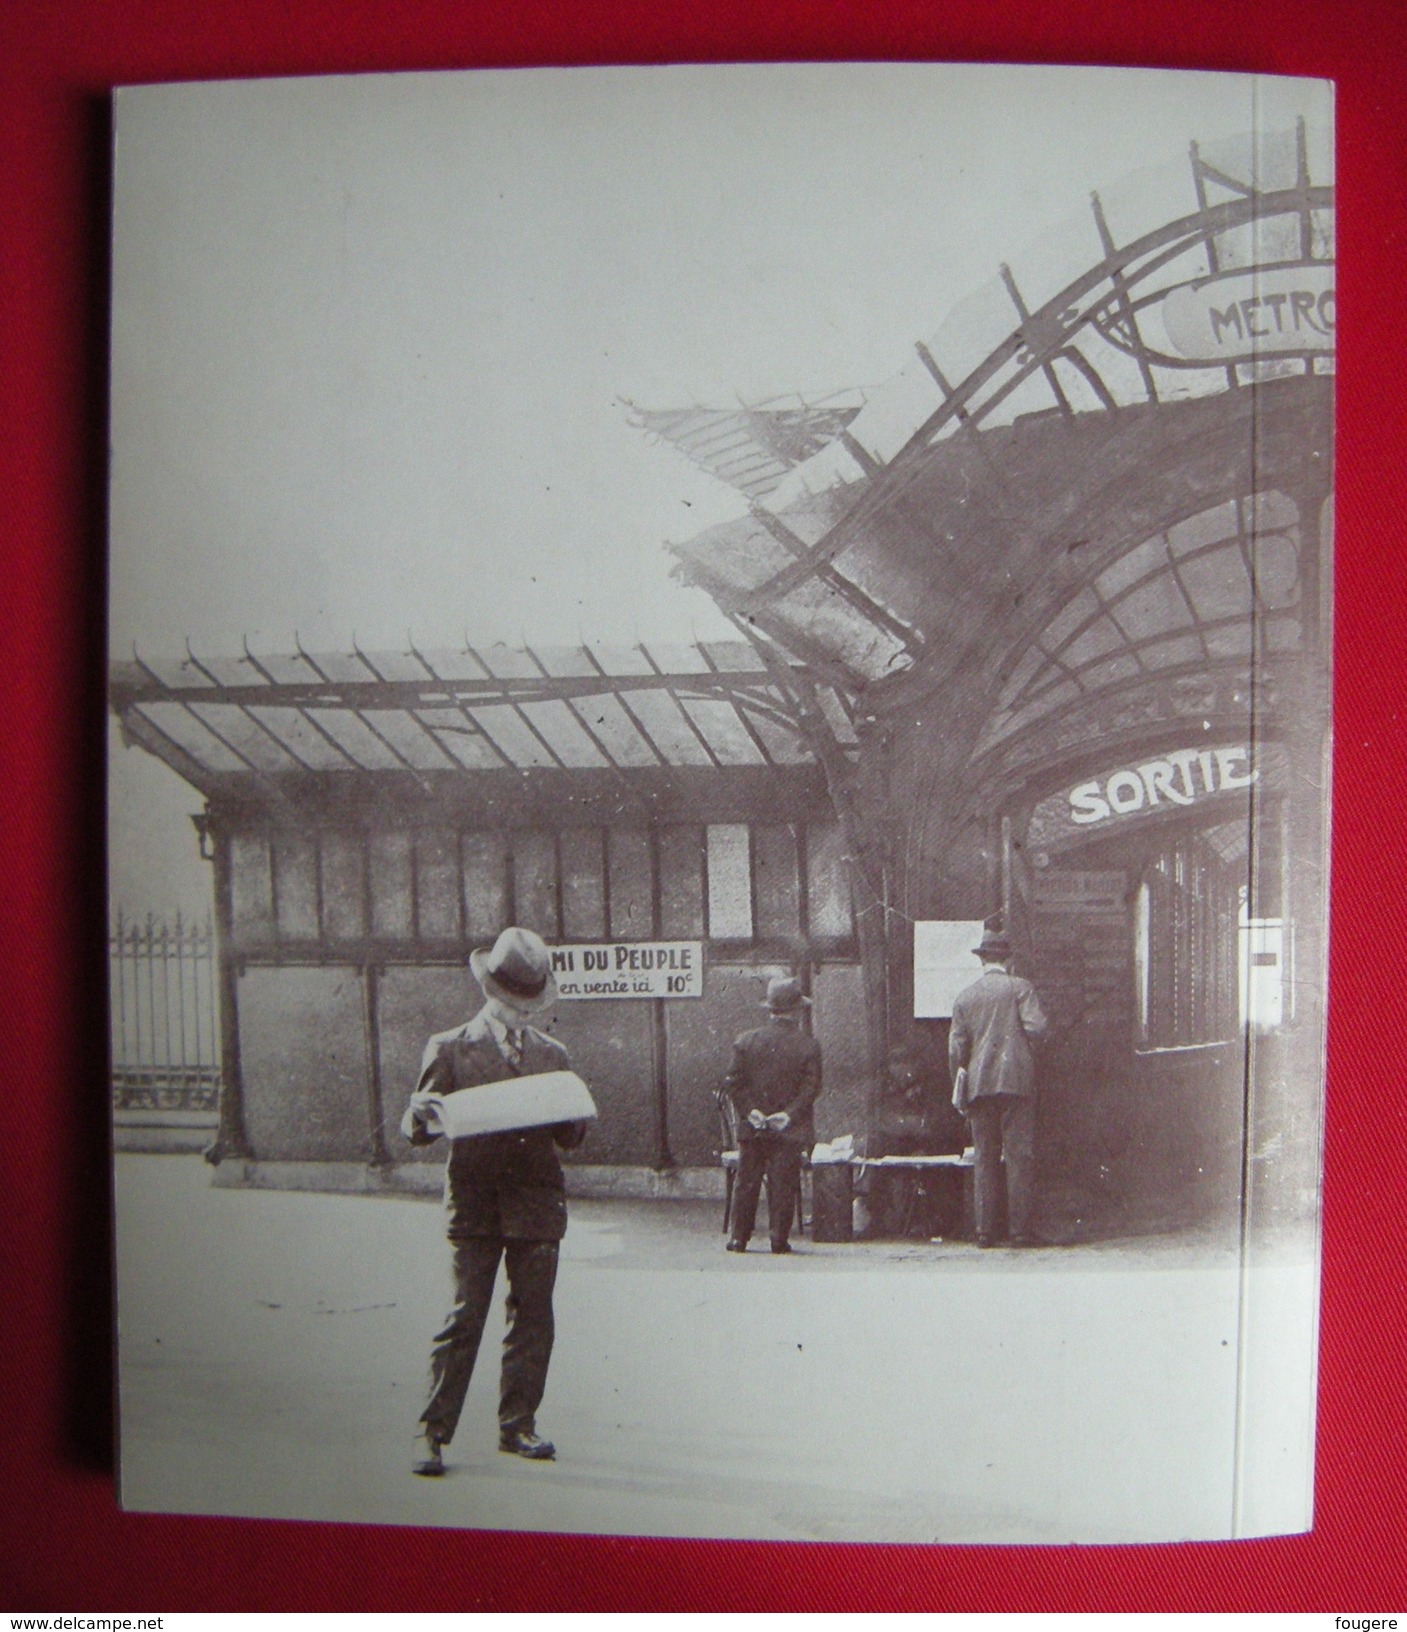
(1183, 778)
(618, 969)
(1268, 312)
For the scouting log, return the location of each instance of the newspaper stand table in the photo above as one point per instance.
(960, 1167)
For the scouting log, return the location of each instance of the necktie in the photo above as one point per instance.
(515, 1049)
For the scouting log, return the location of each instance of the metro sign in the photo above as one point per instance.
(1272, 311)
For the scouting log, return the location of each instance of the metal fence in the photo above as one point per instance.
(165, 1022)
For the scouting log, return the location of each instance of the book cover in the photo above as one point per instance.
(754, 548)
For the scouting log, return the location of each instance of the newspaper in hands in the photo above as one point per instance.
(536, 1101)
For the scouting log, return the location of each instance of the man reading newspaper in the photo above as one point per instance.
(504, 1190)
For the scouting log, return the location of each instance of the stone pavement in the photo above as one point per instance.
(273, 1349)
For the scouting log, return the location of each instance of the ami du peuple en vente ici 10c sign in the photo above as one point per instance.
(629, 969)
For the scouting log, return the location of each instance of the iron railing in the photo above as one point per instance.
(165, 1020)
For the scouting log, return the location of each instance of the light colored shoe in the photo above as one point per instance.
(426, 1459)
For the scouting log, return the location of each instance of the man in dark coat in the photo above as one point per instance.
(505, 1197)
(996, 1022)
(771, 1085)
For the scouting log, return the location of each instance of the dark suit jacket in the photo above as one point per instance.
(995, 1022)
(507, 1186)
(777, 1067)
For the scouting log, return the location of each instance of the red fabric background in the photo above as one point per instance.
(63, 1543)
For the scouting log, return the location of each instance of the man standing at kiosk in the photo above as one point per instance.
(505, 1196)
(996, 1021)
(772, 1084)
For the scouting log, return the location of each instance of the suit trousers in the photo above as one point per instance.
(780, 1161)
(1004, 1125)
(527, 1345)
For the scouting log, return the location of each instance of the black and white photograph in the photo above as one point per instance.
(719, 716)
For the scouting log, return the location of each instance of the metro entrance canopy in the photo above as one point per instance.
(1086, 528)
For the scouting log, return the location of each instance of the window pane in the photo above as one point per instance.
(1031, 660)
(343, 886)
(1218, 584)
(1167, 654)
(775, 878)
(1204, 528)
(632, 915)
(1097, 641)
(1271, 509)
(392, 906)
(583, 884)
(827, 882)
(485, 885)
(296, 886)
(1140, 957)
(1068, 619)
(1155, 608)
(535, 883)
(1277, 569)
(251, 886)
(1105, 674)
(682, 883)
(729, 883)
(437, 884)
(1139, 562)
(1232, 640)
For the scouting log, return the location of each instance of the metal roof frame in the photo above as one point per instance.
(274, 720)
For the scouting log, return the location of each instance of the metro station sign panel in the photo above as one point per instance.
(1243, 315)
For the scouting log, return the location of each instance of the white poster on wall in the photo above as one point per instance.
(944, 962)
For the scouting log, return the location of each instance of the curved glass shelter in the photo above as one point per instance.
(1070, 569)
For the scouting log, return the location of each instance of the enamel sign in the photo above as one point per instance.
(1122, 795)
(1182, 778)
(1280, 309)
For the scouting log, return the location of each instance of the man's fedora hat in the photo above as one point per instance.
(784, 995)
(517, 969)
(995, 944)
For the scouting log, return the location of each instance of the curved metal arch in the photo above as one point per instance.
(1041, 338)
(987, 762)
(1049, 330)
(1006, 765)
(1236, 488)
(1238, 536)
